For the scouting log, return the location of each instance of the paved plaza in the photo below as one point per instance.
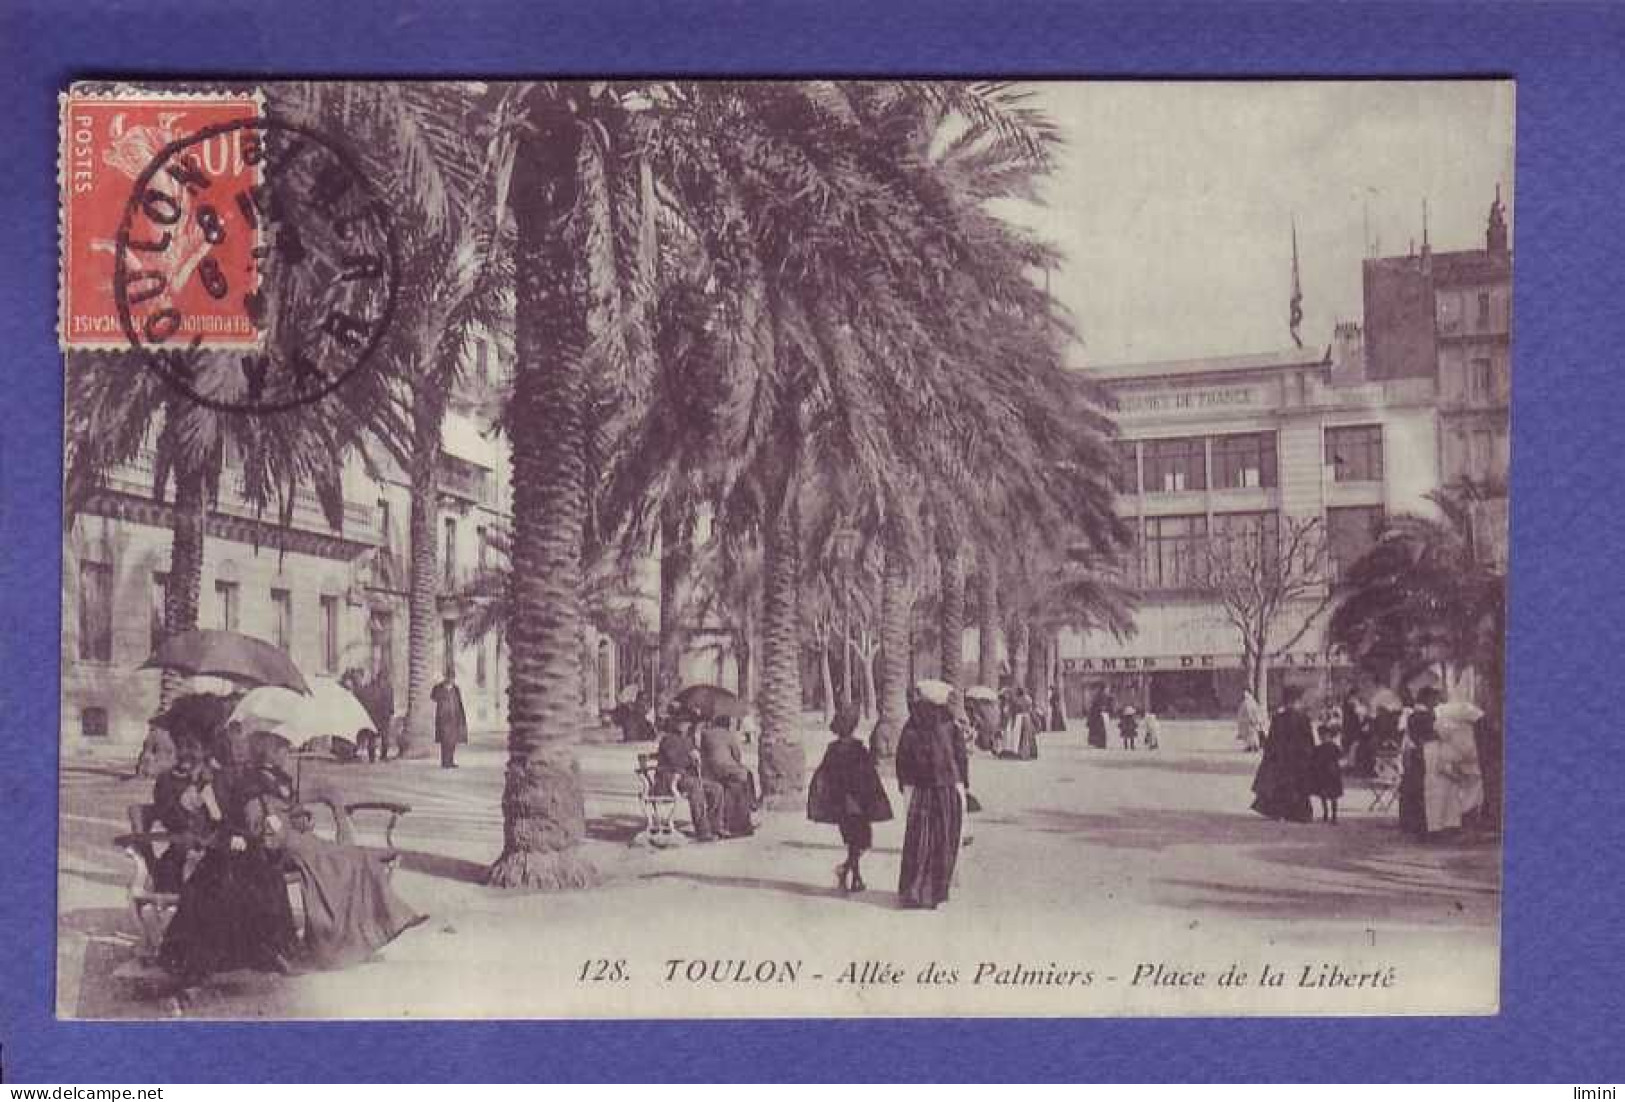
(1087, 858)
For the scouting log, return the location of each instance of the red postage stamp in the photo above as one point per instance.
(117, 157)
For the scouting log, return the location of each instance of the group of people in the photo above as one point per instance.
(235, 826)
(1007, 724)
(933, 773)
(1440, 780)
(1132, 725)
(1298, 766)
(699, 756)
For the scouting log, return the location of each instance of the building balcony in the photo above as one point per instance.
(359, 522)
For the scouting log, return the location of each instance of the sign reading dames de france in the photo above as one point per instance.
(1207, 399)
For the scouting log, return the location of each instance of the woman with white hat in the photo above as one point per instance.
(931, 769)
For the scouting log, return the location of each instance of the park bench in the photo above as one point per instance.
(153, 909)
(659, 807)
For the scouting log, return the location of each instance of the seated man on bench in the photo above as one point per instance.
(678, 771)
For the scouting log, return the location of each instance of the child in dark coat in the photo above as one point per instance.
(846, 791)
(1326, 773)
(1128, 727)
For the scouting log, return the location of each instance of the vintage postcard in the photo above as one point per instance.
(695, 549)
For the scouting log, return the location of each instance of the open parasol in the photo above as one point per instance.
(328, 710)
(239, 658)
(708, 702)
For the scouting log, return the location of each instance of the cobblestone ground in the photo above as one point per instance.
(1114, 863)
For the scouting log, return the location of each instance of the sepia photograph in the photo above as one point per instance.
(680, 548)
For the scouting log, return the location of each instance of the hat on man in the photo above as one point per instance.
(935, 692)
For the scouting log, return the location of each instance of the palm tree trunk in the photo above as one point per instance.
(866, 666)
(895, 606)
(422, 595)
(782, 762)
(183, 592)
(1018, 654)
(828, 680)
(543, 807)
(674, 562)
(951, 614)
(1037, 666)
(987, 647)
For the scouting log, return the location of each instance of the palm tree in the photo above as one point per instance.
(116, 409)
(1428, 592)
(442, 153)
(832, 285)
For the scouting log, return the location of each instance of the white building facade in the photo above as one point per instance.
(1219, 446)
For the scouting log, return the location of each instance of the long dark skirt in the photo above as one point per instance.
(351, 910)
(1281, 792)
(1413, 816)
(1027, 747)
(233, 913)
(738, 797)
(930, 846)
(1097, 732)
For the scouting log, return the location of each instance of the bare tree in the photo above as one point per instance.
(1270, 577)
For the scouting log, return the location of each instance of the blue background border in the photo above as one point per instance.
(1563, 980)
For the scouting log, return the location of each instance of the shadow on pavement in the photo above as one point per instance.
(883, 900)
(615, 828)
(1237, 766)
(439, 865)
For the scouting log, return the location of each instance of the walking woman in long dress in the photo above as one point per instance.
(931, 768)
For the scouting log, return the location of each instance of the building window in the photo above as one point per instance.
(1350, 533)
(225, 605)
(330, 634)
(1246, 540)
(282, 619)
(1483, 310)
(479, 547)
(1481, 453)
(1480, 380)
(482, 360)
(479, 664)
(1175, 465)
(448, 648)
(386, 537)
(1126, 471)
(1354, 452)
(1244, 461)
(93, 723)
(449, 558)
(1173, 551)
(96, 612)
(158, 597)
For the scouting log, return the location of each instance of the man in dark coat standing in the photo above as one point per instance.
(450, 721)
